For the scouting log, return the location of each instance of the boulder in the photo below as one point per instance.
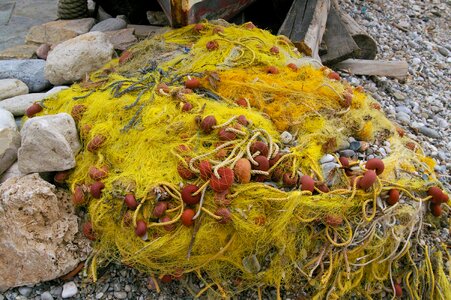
(110, 24)
(19, 52)
(12, 87)
(9, 144)
(72, 59)
(19, 104)
(40, 233)
(30, 71)
(7, 120)
(122, 39)
(59, 31)
(49, 143)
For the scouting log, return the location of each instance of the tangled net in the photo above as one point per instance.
(185, 170)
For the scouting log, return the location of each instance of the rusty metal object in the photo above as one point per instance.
(184, 12)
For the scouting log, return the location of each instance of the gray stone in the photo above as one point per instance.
(429, 132)
(59, 31)
(19, 104)
(9, 144)
(110, 24)
(56, 291)
(49, 245)
(347, 153)
(326, 158)
(404, 109)
(7, 120)
(30, 71)
(120, 295)
(69, 290)
(49, 143)
(46, 296)
(443, 51)
(99, 295)
(329, 167)
(402, 117)
(25, 291)
(354, 145)
(399, 96)
(73, 59)
(12, 87)
(416, 61)
(13, 171)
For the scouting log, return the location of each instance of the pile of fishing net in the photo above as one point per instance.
(213, 151)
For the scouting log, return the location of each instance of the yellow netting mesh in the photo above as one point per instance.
(338, 244)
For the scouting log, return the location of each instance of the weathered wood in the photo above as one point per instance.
(367, 45)
(396, 69)
(305, 24)
(340, 44)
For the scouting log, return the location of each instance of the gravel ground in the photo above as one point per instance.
(416, 31)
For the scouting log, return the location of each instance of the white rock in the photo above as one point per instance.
(9, 144)
(46, 296)
(326, 158)
(12, 87)
(25, 291)
(39, 231)
(49, 143)
(56, 90)
(286, 137)
(69, 290)
(19, 104)
(72, 59)
(7, 120)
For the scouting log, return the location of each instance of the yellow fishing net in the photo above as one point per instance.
(264, 212)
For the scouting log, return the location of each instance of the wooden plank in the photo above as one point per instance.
(305, 25)
(396, 69)
(340, 44)
(298, 7)
(367, 45)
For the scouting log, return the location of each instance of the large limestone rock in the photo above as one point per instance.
(39, 232)
(72, 59)
(18, 105)
(30, 71)
(49, 143)
(9, 144)
(56, 32)
(12, 87)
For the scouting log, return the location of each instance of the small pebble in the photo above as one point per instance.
(326, 158)
(46, 296)
(25, 291)
(347, 153)
(432, 133)
(286, 137)
(99, 295)
(355, 145)
(69, 290)
(120, 295)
